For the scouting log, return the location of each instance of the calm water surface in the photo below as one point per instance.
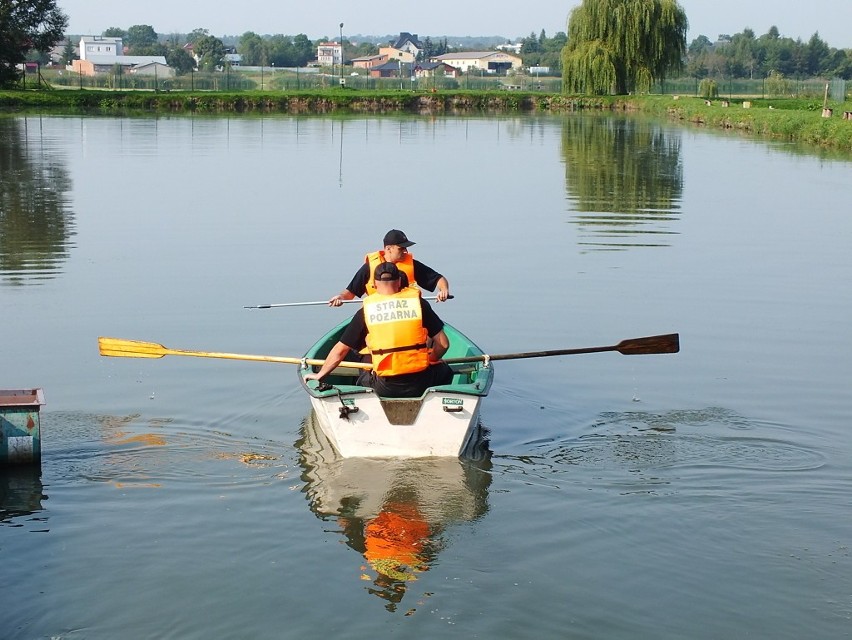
(698, 495)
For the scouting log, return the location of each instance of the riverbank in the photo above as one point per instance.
(785, 119)
(326, 101)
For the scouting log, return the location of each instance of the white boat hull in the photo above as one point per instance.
(441, 424)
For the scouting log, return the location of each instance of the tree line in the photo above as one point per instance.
(742, 55)
(745, 55)
(611, 46)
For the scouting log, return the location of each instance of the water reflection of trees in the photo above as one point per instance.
(393, 512)
(36, 222)
(624, 178)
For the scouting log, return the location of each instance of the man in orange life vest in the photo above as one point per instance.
(396, 245)
(394, 324)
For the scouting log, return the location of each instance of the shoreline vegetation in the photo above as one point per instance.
(787, 119)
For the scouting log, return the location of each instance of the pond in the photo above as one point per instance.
(703, 494)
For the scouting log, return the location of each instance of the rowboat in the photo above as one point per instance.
(444, 421)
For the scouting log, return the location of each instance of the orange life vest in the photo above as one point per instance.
(396, 336)
(376, 258)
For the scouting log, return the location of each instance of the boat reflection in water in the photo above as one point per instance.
(393, 511)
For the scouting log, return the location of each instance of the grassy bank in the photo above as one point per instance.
(786, 119)
(781, 118)
(334, 100)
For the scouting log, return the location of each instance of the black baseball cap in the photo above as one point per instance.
(386, 271)
(398, 238)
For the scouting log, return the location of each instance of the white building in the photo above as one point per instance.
(100, 46)
(99, 54)
(485, 61)
(106, 64)
(156, 68)
(329, 53)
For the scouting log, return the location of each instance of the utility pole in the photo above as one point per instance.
(341, 54)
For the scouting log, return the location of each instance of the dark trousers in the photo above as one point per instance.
(407, 385)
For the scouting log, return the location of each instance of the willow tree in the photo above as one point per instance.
(618, 46)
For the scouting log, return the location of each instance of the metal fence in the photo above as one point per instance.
(275, 79)
(768, 87)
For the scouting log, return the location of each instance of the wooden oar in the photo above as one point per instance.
(668, 343)
(116, 347)
(325, 302)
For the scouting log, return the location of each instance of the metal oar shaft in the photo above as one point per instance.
(319, 302)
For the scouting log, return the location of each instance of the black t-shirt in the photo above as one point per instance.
(355, 334)
(426, 277)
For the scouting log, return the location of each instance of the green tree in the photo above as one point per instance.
(280, 51)
(775, 52)
(27, 25)
(819, 56)
(115, 32)
(303, 49)
(530, 44)
(69, 53)
(741, 54)
(139, 36)
(251, 49)
(156, 49)
(841, 64)
(196, 34)
(180, 60)
(700, 45)
(551, 55)
(428, 48)
(699, 52)
(617, 46)
(210, 51)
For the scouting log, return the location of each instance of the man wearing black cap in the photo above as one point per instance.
(396, 245)
(395, 324)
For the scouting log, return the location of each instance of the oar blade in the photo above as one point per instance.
(668, 343)
(118, 348)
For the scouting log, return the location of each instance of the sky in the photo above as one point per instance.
(794, 18)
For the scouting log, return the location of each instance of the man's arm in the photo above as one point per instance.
(335, 357)
(337, 300)
(440, 344)
(356, 288)
(429, 279)
(443, 289)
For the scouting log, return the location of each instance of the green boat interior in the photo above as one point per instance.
(470, 378)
